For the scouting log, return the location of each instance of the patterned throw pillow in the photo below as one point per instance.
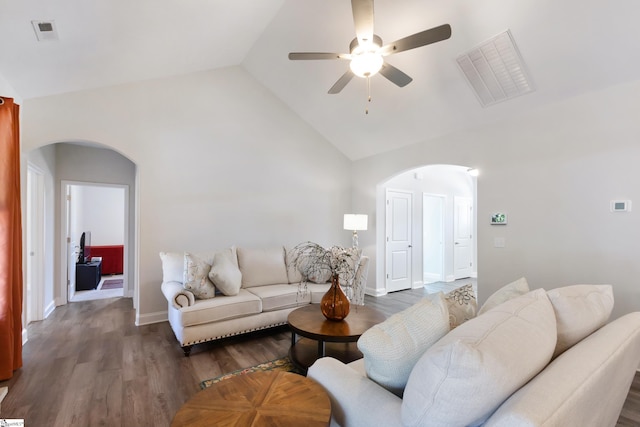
(196, 278)
(462, 305)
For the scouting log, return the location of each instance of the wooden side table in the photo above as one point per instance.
(274, 398)
(324, 337)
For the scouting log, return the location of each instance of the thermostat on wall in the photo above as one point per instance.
(621, 206)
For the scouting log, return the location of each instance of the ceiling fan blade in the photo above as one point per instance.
(341, 83)
(363, 20)
(294, 56)
(395, 75)
(422, 38)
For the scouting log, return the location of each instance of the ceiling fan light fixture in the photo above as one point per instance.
(366, 64)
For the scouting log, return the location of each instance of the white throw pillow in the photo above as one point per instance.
(512, 290)
(392, 347)
(462, 305)
(580, 310)
(225, 275)
(465, 376)
(196, 278)
(172, 266)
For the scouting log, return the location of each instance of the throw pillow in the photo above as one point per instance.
(262, 266)
(512, 290)
(392, 347)
(225, 275)
(196, 277)
(172, 266)
(346, 262)
(468, 373)
(462, 305)
(580, 310)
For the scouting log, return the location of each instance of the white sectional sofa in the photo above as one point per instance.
(540, 359)
(269, 291)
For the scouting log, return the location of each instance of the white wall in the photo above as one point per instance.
(7, 90)
(554, 172)
(101, 211)
(220, 162)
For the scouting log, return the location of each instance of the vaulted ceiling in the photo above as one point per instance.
(569, 47)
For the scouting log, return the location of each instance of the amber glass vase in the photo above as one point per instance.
(335, 304)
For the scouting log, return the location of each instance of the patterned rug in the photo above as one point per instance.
(112, 284)
(282, 364)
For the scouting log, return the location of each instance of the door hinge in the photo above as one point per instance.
(387, 238)
(387, 276)
(68, 239)
(68, 197)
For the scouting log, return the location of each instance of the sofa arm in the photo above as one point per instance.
(355, 399)
(177, 295)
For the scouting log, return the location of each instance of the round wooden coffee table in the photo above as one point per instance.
(274, 398)
(324, 337)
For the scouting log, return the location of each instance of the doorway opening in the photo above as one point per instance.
(429, 219)
(96, 230)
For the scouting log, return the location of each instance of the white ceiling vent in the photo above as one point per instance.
(496, 70)
(45, 30)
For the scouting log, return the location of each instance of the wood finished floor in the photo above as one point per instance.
(89, 365)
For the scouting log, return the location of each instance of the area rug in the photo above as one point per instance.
(282, 364)
(112, 284)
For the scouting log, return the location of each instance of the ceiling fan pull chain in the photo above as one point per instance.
(366, 110)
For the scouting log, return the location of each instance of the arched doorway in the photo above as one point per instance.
(427, 217)
(86, 163)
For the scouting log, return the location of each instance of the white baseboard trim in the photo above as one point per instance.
(431, 278)
(150, 318)
(450, 279)
(474, 275)
(378, 292)
(49, 309)
(25, 336)
(417, 285)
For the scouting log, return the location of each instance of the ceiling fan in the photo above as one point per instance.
(366, 51)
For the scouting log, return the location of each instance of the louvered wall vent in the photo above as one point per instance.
(496, 70)
(45, 30)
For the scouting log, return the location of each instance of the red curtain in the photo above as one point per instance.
(10, 241)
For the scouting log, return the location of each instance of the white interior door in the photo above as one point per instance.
(398, 240)
(462, 234)
(72, 247)
(35, 245)
(433, 238)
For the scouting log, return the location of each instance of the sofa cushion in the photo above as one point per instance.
(261, 267)
(221, 308)
(316, 291)
(196, 277)
(225, 274)
(512, 290)
(462, 305)
(277, 297)
(392, 347)
(580, 310)
(466, 375)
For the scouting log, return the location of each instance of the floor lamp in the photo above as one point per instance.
(355, 222)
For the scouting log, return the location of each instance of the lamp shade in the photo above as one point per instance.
(355, 222)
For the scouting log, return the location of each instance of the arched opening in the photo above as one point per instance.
(426, 228)
(80, 163)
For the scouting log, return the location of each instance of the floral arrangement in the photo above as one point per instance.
(318, 264)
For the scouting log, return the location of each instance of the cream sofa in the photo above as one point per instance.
(269, 292)
(514, 365)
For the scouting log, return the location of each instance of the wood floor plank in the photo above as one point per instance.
(88, 364)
